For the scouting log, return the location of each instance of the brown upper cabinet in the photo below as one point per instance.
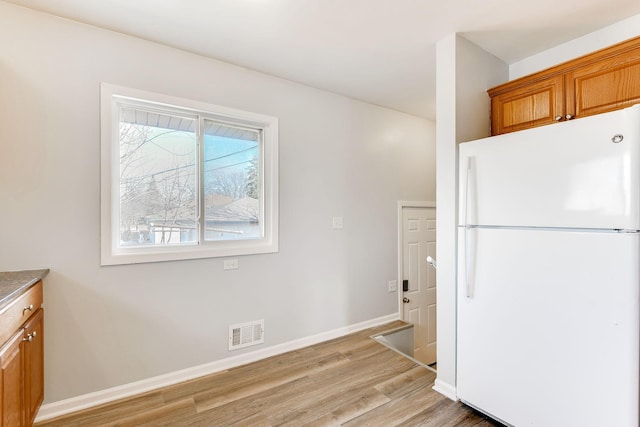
(605, 80)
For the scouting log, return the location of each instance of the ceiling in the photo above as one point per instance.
(378, 51)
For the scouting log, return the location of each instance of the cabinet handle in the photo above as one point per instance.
(30, 308)
(557, 118)
(569, 116)
(29, 337)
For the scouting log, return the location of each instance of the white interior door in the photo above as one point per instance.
(419, 300)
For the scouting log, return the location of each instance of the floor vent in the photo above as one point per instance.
(246, 334)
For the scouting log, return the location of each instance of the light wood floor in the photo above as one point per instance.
(349, 381)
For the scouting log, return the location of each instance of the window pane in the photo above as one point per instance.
(157, 179)
(232, 188)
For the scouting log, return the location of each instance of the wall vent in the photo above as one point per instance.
(245, 334)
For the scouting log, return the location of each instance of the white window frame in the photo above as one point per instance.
(111, 252)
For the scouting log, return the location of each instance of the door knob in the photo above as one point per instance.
(406, 300)
(569, 116)
(431, 261)
(557, 118)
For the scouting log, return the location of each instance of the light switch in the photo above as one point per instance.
(337, 223)
(392, 285)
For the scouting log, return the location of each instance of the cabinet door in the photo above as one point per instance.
(11, 376)
(528, 106)
(605, 85)
(33, 365)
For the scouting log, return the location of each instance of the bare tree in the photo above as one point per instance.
(176, 201)
(133, 197)
(151, 192)
(253, 186)
(232, 183)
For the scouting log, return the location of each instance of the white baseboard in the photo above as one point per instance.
(73, 404)
(445, 389)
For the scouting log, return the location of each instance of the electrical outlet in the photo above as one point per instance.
(393, 285)
(230, 264)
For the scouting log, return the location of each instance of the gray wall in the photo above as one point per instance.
(107, 326)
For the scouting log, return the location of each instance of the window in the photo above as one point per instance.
(183, 179)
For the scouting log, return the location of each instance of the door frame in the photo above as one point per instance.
(401, 205)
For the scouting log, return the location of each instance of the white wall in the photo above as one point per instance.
(584, 45)
(464, 72)
(107, 326)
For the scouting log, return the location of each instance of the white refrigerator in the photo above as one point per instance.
(549, 274)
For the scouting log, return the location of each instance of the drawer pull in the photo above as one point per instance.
(29, 337)
(30, 308)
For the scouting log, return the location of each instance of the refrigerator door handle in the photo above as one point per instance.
(470, 259)
(469, 208)
(465, 207)
(469, 232)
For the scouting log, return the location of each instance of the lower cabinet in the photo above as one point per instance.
(11, 391)
(22, 359)
(33, 347)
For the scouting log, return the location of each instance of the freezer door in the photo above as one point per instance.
(582, 174)
(548, 334)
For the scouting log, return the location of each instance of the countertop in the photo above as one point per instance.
(15, 283)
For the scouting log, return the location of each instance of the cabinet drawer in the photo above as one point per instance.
(14, 315)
